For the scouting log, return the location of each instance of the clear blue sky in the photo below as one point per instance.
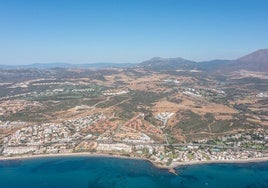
(77, 31)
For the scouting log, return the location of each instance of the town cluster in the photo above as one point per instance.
(84, 135)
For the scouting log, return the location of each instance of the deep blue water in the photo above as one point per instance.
(102, 172)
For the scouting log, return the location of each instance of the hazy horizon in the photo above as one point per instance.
(82, 32)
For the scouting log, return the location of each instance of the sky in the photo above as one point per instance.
(129, 31)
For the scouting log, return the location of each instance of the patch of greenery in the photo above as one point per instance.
(24, 116)
(113, 101)
(193, 122)
(220, 126)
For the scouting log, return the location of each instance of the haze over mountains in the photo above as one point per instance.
(256, 61)
(67, 65)
(158, 63)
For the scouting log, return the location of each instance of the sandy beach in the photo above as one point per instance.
(83, 154)
(251, 160)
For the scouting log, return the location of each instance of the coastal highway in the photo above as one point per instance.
(179, 145)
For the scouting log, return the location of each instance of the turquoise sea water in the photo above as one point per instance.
(103, 172)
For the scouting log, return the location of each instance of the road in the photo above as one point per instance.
(178, 145)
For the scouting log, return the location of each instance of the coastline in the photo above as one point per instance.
(234, 161)
(170, 168)
(81, 154)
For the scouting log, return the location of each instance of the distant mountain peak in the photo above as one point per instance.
(165, 59)
(156, 58)
(259, 55)
(160, 64)
(255, 61)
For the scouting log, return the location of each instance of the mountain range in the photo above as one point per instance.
(67, 65)
(256, 61)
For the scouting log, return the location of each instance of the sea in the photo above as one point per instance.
(109, 172)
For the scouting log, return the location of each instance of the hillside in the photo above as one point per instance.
(159, 64)
(256, 61)
(212, 64)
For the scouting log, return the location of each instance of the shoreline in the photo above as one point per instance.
(170, 168)
(81, 154)
(234, 161)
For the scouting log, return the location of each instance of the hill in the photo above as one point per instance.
(256, 61)
(212, 64)
(159, 64)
